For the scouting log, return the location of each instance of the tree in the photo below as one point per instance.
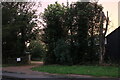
(37, 50)
(82, 19)
(18, 27)
(7, 24)
(75, 25)
(102, 35)
(53, 29)
(94, 32)
(62, 52)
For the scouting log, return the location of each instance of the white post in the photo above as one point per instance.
(29, 58)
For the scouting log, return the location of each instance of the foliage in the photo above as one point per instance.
(74, 25)
(18, 27)
(53, 29)
(62, 51)
(37, 50)
(66, 34)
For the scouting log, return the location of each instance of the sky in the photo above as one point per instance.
(109, 5)
(112, 7)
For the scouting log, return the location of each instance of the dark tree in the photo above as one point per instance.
(75, 25)
(53, 29)
(18, 27)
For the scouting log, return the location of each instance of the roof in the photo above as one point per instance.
(113, 31)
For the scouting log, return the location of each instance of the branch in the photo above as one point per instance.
(107, 20)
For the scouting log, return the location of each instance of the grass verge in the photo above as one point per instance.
(98, 71)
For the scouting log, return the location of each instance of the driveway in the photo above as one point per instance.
(26, 72)
(26, 69)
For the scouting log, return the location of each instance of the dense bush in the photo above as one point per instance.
(62, 52)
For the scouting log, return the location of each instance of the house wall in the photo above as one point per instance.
(113, 46)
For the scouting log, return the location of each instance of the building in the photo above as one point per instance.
(113, 46)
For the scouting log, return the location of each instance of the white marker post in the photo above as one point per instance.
(18, 59)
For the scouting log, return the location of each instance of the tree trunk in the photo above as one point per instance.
(102, 38)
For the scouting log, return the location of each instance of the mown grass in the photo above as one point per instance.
(98, 71)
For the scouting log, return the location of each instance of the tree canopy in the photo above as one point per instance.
(18, 27)
(70, 32)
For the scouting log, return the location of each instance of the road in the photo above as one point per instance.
(25, 73)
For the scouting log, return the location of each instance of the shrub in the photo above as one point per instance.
(62, 51)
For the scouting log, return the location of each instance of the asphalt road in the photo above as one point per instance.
(6, 78)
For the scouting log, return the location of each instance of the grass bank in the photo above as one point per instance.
(98, 71)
